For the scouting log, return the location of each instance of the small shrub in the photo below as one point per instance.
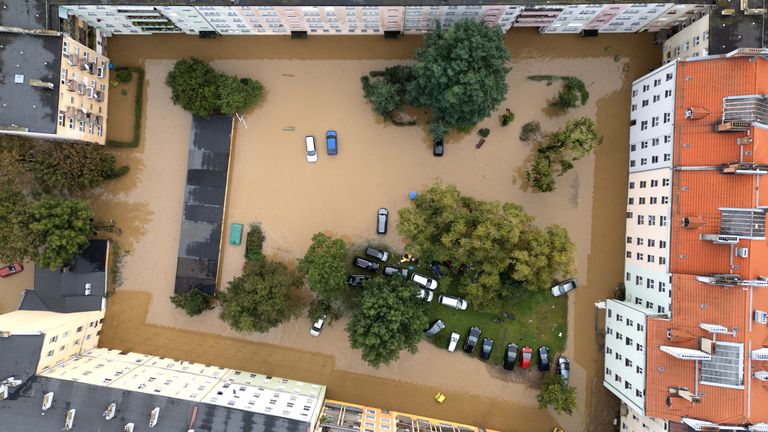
(254, 242)
(124, 92)
(123, 170)
(530, 131)
(507, 118)
(438, 130)
(123, 75)
(484, 132)
(193, 302)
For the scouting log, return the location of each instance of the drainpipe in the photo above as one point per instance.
(696, 379)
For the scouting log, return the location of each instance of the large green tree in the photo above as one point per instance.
(481, 240)
(260, 298)
(199, 89)
(59, 229)
(16, 243)
(325, 267)
(193, 302)
(461, 73)
(541, 255)
(555, 393)
(390, 319)
(70, 167)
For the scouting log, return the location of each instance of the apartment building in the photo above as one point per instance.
(54, 87)
(691, 41)
(266, 19)
(704, 356)
(348, 417)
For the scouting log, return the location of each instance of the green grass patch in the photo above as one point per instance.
(137, 109)
(527, 318)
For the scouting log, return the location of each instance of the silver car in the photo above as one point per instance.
(453, 302)
(564, 368)
(564, 287)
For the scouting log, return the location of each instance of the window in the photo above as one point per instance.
(662, 287)
(663, 220)
(617, 378)
(655, 142)
(638, 301)
(632, 163)
(696, 40)
(642, 200)
(651, 220)
(656, 98)
(639, 256)
(654, 200)
(608, 371)
(670, 76)
(631, 200)
(654, 183)
(649, 305)
(639, 241)
(646, 87)
(645, 102)
(634, 107)
(629, 240)
(638, 393)
(53, 339)
(608, 350)
(640, 327)
(665, 200)
(627, 362)
(627, 385)
(651, 242)
(662, 244)
(61, 118)
(629, 254)
(64, 76)
(631, 185)
(71, 123)
(667, 157)
(640, 219)
(654, 159)
(629, 215)
(634, 92)
(643, 184)
(65, 47)
(654, 121)
(618, 355)
(81, 126)
(79, 329)
(651, 258)
(643, 144)
(633, 147)
(657, 82)
(639, 347)
(667, 117)
(665, 182)
(667, 93)
(661, 309)
(49, 353)
(629, 276)
(662, 260)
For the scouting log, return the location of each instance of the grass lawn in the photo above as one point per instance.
(534, 318)
(537, 319)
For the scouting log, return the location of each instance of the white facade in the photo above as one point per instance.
(678, 15)
(194, 382)
(648, 289)
(275, 20)
(652, 120)
(634, 422)
(692, 41)
(625, 340)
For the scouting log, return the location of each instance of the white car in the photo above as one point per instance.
(453, 302)
(424, 281)
(317, 327)
(309, 142)
(425, 295)
(564, 287)
(454, 341)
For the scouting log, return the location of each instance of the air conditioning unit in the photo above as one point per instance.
(761, 317)
(725, 239)
(742, 252)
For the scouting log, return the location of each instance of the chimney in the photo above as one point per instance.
(696, 113)
(693, 222)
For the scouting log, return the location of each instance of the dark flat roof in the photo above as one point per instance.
(29, 57)
(19, 355)
(727, 33)
(59, 291)
(204, 195)
(349, 2)
(21, 412)
(27, 14)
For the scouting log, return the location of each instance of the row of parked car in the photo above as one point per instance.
(428, 285)
(331, 145)
(510, 355)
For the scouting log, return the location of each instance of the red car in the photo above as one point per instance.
(525, 359)
(11, 269)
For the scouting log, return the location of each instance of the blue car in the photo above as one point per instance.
(331, 143)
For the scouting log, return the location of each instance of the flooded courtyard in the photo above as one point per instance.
(313, 85)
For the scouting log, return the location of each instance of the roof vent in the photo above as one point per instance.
(70, 421)
(693, 222)
(47, 400)
(696, 113)
(18, 79)
(109, 413)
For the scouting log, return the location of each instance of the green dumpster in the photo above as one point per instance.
(235, 234)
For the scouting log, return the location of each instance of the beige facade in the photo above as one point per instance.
(691, 41)
(83, 93)
(66, 335)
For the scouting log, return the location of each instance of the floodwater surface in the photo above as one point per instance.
(311, 86)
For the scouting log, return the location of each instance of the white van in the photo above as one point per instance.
(424, 281)
(453, 302)
(309, 142)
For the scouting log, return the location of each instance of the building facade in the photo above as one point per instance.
(367, 20)
(54, 88)
(704, 308)
(691, 41)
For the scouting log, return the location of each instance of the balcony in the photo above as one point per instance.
(740, 112)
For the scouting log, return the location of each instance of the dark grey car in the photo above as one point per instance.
(435, 328)
(365, 264)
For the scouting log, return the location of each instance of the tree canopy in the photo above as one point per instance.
(390, 319)
(199, 89)
(260, 298)
(325, 267)
(555, 393)
(70, 167)
(460, 74)
(59, 229)
(16, 241)
(481, 240)
(193, 302)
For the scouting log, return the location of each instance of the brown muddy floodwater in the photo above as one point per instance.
(313, 85)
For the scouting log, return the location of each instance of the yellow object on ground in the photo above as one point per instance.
(557, 429)
(439, 397)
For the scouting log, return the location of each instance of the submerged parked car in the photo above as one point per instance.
(331, 143)
(11, 269)
(365, 264)
(435, 328)
(438, 148)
